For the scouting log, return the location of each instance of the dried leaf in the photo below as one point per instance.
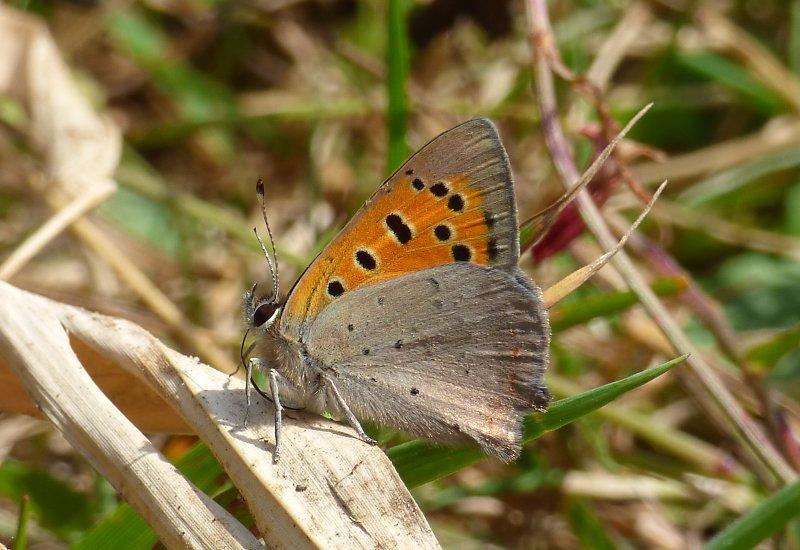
(329, 488)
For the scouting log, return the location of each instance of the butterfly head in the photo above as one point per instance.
(260, 312)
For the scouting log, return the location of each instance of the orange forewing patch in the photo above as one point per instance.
(437, 224)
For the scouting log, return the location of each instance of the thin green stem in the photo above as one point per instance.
(21, 537)
(397, 82)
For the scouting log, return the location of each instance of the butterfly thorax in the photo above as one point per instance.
(293, 362)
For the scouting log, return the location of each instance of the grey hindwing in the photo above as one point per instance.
(448, 353)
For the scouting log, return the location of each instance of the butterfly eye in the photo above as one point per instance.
(263, 313)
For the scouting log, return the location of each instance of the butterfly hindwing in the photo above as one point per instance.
(451, 202)
(447, 353)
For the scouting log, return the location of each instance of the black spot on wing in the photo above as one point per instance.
(418, 184)
(455, 203)
(492, 250)
(461, 253)
(396, 225)
(335, 289)
(442, 232)
(366, 260)
(439, 189)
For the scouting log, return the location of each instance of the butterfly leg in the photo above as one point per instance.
(351, 418)
(247, 381)
(276, 397)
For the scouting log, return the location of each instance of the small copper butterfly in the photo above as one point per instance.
(416, 315)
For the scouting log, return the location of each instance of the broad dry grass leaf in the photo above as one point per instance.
(328, 490)
(36, 345)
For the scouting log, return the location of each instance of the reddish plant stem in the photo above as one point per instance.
(727, 411)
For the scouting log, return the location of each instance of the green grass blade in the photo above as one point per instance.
(727, 73)
(576, 312)
(125, 529)
(418, 462)
(21, 537)
(761, 522)
(588, 527)
(398, 59)
(767, 354)
(55, 504)
(527, 234)
(567, 410)
(739, 176)
(794, 37)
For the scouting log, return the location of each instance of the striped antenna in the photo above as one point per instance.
(272, 261)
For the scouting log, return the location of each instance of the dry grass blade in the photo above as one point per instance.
(79, 147)
(565, 286)
(80, 151)
(753, 238)
(602, 485)
(544, 219)
(329, 488)
(778, 134)
(35, 344)
(55, 225)
(136, 401)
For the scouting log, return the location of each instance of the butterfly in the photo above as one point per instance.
(416, 315)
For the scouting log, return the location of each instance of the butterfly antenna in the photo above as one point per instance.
(243, 354)
(273, 260)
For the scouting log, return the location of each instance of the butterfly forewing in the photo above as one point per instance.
(447, 353)
(452, 202)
